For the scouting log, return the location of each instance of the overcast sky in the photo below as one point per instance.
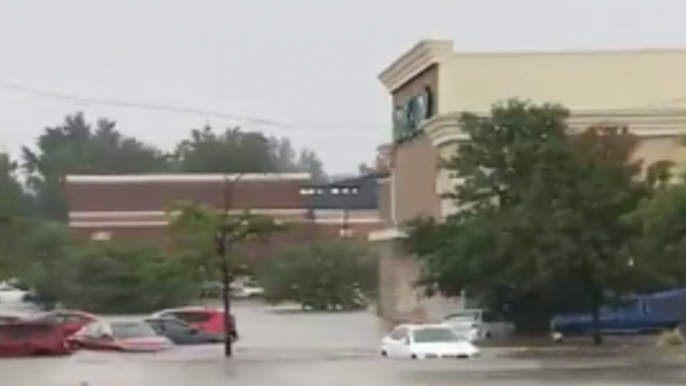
(310, 63)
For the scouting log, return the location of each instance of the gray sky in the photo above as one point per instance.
(310, 62)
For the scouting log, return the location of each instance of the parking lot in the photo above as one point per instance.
(288, 347)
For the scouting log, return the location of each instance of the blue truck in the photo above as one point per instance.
(638, 314)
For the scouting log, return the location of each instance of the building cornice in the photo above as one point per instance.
(420, 57)
(443, 129)
(147, 178)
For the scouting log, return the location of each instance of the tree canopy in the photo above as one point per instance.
(78, 147)
(540, 223)
(322, 276)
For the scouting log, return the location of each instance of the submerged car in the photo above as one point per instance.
(133, 336)
(32, 337)
(206, 319)
(181, 332)
(69, 321)
(11, 295)
(478, 324)
(426, 341)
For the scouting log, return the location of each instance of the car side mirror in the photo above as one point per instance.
(106, 337)
(406, 341)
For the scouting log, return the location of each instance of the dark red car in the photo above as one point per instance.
(206, 319)
(32, 337)
(68, 321)
(133, 336)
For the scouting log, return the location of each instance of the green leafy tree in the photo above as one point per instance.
(660, 253)
(76, 147)
(309, 162)
(115, 278)
(193, 230)
(540, 223)
(48, 260)
(15, 205)
(322, 276)
(237, 151)
(231, 151)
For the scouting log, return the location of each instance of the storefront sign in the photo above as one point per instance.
(408, 117)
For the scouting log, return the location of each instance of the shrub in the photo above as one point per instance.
(124, 279)
(322, 276)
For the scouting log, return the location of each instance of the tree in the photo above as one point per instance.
(47, 260)
(540, 208)
(660, 252)
(75, 147)
(231, 151)
(322, 276)
(237, 151)
(193, 232)
(13, 199)
(309, 162)
(124, 279)
(15, 206)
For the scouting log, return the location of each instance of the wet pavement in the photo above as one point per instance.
(284, 347)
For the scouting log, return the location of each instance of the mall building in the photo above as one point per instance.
(432, 84)
(135, 209)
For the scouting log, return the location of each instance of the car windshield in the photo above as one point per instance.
(132, 330)
(434, 335)
(467, 316)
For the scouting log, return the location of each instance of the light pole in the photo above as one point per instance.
(223, 243)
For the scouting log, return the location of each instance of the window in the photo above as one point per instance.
(490, 316)
(74, 318)
(399, 333)
(345, 191)
(334, 191)
(193, 316)
(175, 326)
(156, 325)
(465, 316)
(434, 335)
(132, 330)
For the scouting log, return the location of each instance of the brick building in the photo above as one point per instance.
(132, 208)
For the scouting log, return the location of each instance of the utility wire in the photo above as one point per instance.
(658, 104)
(162, 107)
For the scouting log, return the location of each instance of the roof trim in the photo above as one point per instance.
(147, 178)
(420, 57)
(443, 129)
(108, 224)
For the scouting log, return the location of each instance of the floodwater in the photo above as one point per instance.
(286, 347)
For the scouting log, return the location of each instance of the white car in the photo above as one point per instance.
(10, 295)
(426, 341)
(480, 324)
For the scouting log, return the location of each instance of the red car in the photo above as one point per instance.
(69, 321)
(207, 319)
(32, 337)
(136, 336)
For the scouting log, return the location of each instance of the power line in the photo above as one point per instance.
(168, 108)
(658, 104)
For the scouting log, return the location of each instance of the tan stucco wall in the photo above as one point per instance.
(415, 169)
(578, 80)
